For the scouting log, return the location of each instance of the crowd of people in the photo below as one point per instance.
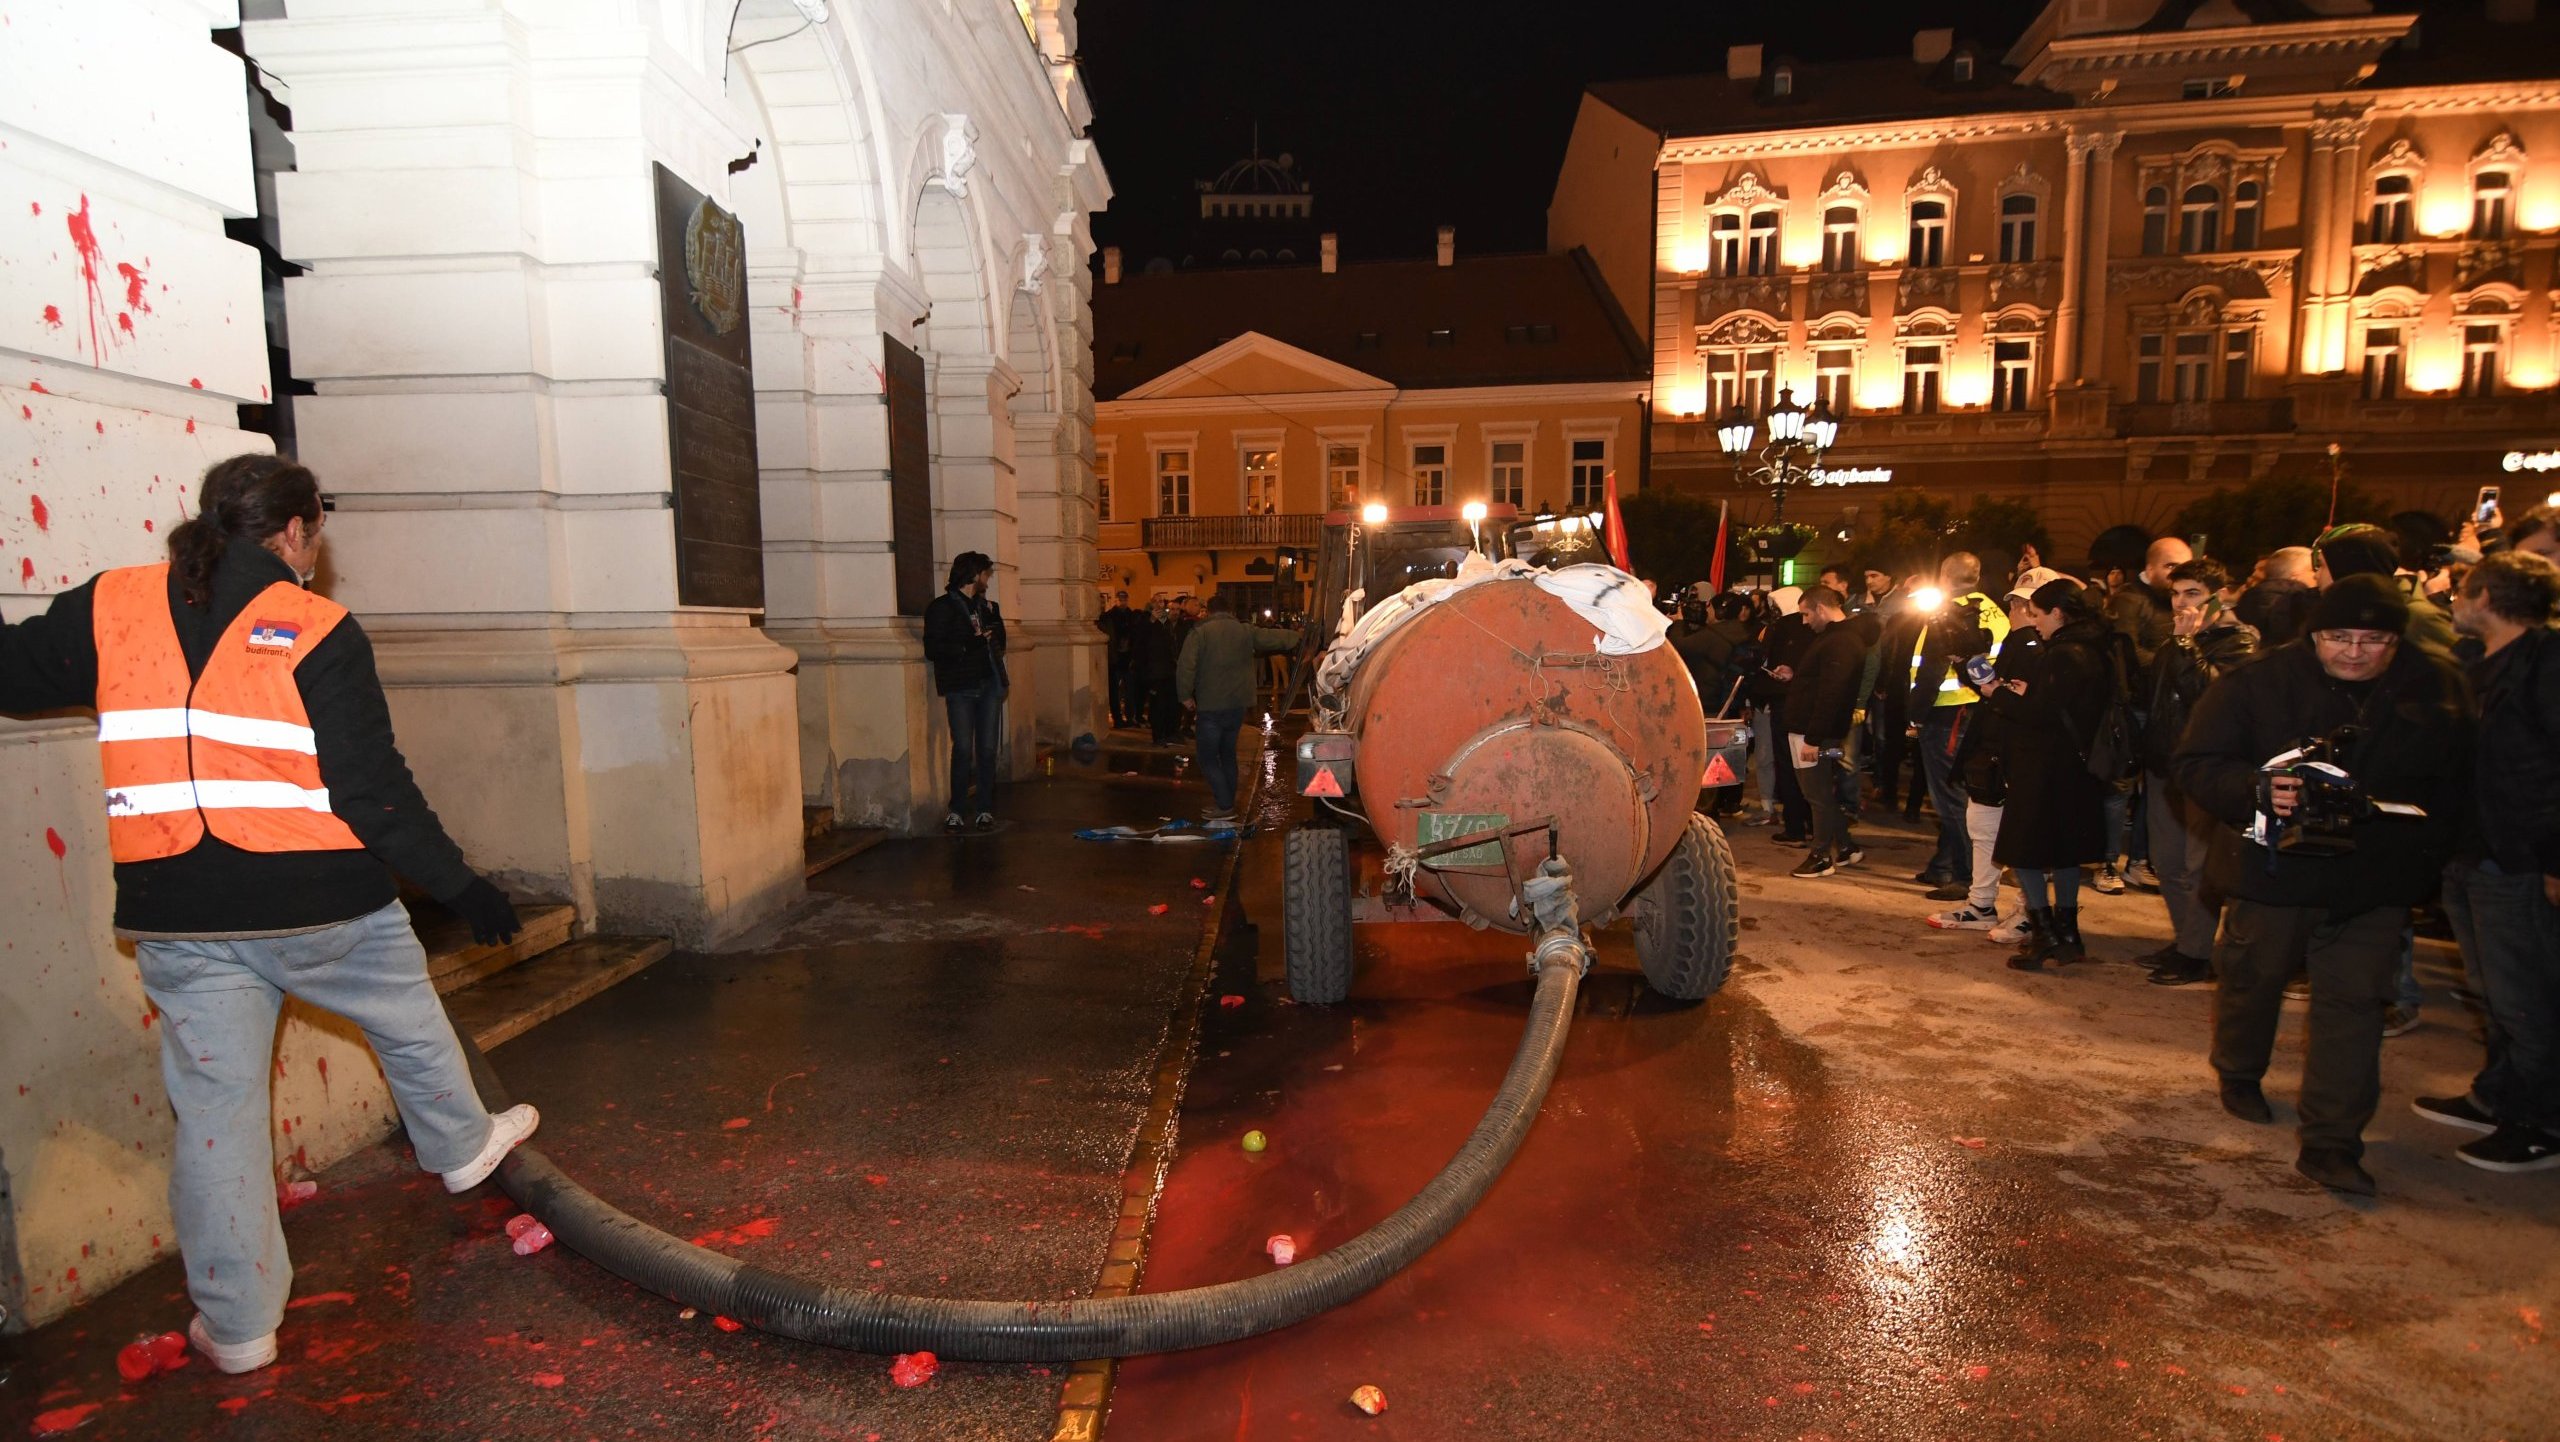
(2305, 760)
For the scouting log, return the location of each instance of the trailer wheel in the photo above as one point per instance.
(1689, 917)
(1315, 914)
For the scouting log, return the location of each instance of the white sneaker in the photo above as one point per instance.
(506, 1129)
(1965, 918)
(232, 1357)
(2011, 930)
(2107, 882)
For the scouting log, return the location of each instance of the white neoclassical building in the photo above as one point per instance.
(657, 354)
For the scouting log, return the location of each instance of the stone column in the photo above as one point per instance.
(2066, 315)
(1054, 476)
(2346, 133)
(2094, 249)
(2311, 270)
(479, 313)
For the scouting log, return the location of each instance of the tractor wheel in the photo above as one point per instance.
(1315, 914)
(1689, 917)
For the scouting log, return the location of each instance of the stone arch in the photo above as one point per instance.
(943, 238)
(819, 123)
(1030, 344)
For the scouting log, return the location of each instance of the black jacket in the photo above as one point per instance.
(1982, 748)
(1822, 702)
(2055, 815)
(1785, 646)
(2417, 749)
(2180, 672)
(1707, 650)
(962, 658)
(2517, 820)
(50, 663)
(2279, 610)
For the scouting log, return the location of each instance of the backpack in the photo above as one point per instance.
(2113, 751)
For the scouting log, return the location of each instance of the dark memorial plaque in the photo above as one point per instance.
(711, 399)
(910, 478)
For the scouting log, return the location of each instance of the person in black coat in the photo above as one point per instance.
(2055, 817)
(1788, 637)
(1821, 707)
(964, 639)
(2288, 908)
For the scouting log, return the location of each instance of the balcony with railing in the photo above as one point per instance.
(1230, 533)
(2252, 417)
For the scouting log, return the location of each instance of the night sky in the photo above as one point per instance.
(1411, 114)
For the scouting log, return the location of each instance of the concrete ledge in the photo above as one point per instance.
(517, 1000)
(455, 961)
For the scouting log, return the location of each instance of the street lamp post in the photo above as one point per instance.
(1797, 439)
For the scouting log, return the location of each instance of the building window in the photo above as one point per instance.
(1744, 379)
(2147, 352)
(2199, 220)
(1431, 475)
(2013, 364)
(2480, 347)
(1262, 482)
(1724, 244)
(1102, 485)
(1442, 338)
(1173, 483)
(2155, 220)
(2382, 363)
(1590, 481)
(1342, 476)
(1840, 238)
(2192, 372)
(2206, 89)
(2490, 190)
(1928, 233)
(2238, 347)
(1782, 82)
(1761, 258)
(2017, 229)
(1834, 374)
(2389, 222)
(1923, 370)
(1510, 473)
(1962, 68)
(2244, 215)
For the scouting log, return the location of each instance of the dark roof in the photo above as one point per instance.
(1507, 319)
(1826, 93)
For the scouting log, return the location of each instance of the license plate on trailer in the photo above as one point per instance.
(1433, 826)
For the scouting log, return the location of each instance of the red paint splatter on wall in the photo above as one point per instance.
(192, 381)
(35, 207)
(26, 571)
(38, 388)
(84, 238)
(54, 843)
(133, 287)
(43, 517)
(53, 316)
(148, 526)
(191, 428)
(124, 322)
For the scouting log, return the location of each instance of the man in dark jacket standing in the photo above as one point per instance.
(2204, 643)
(1114, 623)
(2502, 891)
(1215, 677)
(257, 810)
(964, 639)
(2339, 914)
(2140, 608)
(1822, 704)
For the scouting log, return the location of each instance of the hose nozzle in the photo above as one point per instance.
(1551, 901)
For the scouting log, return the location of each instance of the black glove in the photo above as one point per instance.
(491, 915)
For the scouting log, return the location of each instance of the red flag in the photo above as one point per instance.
(1715, 570)
(1617, 528)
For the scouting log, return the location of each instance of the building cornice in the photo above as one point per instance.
(2103, 55)
(2221, 111)
(1296, 403)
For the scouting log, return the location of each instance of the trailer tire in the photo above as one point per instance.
(1688, 919)
(1315, 914)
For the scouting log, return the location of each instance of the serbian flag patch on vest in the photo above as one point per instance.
(276, 636)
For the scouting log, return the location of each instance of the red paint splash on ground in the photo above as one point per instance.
(728, 1324)
(84, 238)
(36, 508)
(548, 1379)
(63, 1419)
(317, 1298)
(54, 843)
(757, 1230)
(233, 1405)
(734, 1124)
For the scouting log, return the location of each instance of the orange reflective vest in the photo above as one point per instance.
(230, 751)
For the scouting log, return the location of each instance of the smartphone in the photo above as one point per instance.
(2486, 506)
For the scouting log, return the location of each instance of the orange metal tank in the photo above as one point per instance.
(1495, 708)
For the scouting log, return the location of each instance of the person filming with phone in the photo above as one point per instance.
(2321, 863)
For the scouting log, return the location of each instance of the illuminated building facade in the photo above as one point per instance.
(2144, 251)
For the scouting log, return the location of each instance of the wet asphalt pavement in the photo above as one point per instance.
(928, 1080)
(1879, 1187)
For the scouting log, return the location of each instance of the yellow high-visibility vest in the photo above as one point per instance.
(1952, 690)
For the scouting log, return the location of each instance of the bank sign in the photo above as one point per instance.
(1861, 476)
(2540, 461)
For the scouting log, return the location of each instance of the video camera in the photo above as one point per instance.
(2327, 806)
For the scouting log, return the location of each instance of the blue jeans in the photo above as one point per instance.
(2119, 824)
(977, 723)
(1217, 731)
(218, 1004)
(2510, 937)
(1939, 734)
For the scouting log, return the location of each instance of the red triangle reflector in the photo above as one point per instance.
(1718, 773)
(1323, 784)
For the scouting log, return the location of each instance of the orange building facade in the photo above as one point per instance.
(2147, 250)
